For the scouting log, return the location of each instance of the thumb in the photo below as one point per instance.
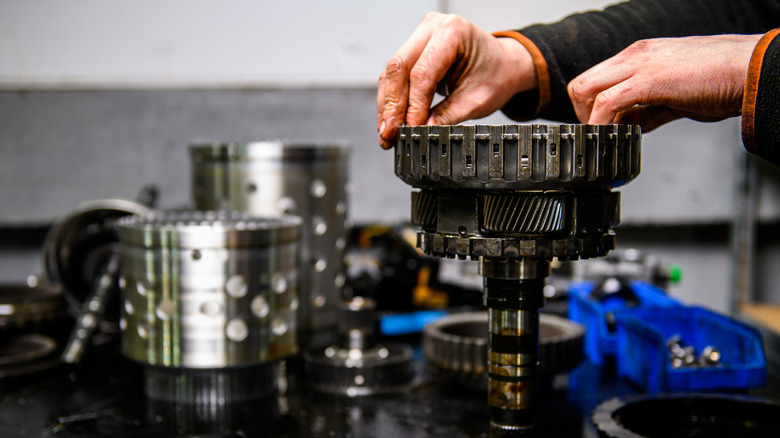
(455, 108)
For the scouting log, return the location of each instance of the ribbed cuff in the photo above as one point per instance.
(759, 113)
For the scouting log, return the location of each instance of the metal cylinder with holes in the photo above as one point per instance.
(209, 302)
(273, 177)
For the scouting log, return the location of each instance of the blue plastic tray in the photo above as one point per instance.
(643, 355)
(600, 343)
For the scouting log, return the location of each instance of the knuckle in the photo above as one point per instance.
(395, 66)
(420, 74)
(431, 16)
(576, 89)
(389, 103)
(603, 100)
(639, 46)
(455, 23)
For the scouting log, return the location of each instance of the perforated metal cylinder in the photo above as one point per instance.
(273, 177)
(208, 290)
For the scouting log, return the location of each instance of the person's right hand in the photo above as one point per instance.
(475, 71)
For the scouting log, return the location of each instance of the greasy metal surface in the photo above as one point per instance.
(105, 398)
(510, 196)
(359, 365)
(518, 157)
(688, 415)
(23, 354)
(383, 368)
(208, 290)
(22, 305)
(307, 179)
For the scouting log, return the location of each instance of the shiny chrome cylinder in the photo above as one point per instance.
(208, 290)
(273, 177)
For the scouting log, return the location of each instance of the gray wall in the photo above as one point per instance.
(61, 148)
(135, 83)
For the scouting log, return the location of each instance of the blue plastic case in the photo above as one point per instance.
(643, 356)
(600, 343)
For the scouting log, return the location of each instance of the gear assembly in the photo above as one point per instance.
(264, 311)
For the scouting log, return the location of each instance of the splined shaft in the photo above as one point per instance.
(513, 293)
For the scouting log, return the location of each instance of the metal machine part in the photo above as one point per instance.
(688, 415)
(630, 264)
(359, 365)
(22, 305)
(26, 354)
(457, 345)
(209, 302)
(80, 244)
(274, 177)
(515, 197)
(81, 252)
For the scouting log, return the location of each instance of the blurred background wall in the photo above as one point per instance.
(101, 97)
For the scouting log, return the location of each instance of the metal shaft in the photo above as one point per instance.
(513, 293)
(93, 311)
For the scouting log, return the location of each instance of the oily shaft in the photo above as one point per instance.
(513, 293)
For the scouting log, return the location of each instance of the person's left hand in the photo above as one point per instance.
(655, 81)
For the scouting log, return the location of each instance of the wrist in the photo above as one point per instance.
(521, 69)
(539, 78)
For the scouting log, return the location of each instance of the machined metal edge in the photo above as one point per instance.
(745, 415)
(208, 229)
(274, 150)
(386, 372)
(24, 305)
(456, 344)
(518, 156)
(57, 245)
(474, 247)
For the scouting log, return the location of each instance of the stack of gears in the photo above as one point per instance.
(209, 302)
(514, 197)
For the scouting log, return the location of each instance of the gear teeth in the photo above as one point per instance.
(424, 209)
(524, 214)
(457, 344)
(518, 156)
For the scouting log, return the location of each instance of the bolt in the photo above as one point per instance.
(710, 356)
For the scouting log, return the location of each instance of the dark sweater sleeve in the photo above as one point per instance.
(761, 100)
(580, 41)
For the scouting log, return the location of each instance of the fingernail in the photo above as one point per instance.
(430, 121)
(382, 128)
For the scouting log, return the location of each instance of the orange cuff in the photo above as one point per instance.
(542, 75)
(751, 91)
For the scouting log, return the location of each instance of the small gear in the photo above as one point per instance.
(457, 344)
(357, 365)
(356, 372)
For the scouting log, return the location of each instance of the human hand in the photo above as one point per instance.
(655, 81)
(477, 72)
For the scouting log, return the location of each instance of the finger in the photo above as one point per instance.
(394, 83)
(621, 97)
(433, 65)
(463, 104)
(380, 99)
(584, 88)
(648, 117)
